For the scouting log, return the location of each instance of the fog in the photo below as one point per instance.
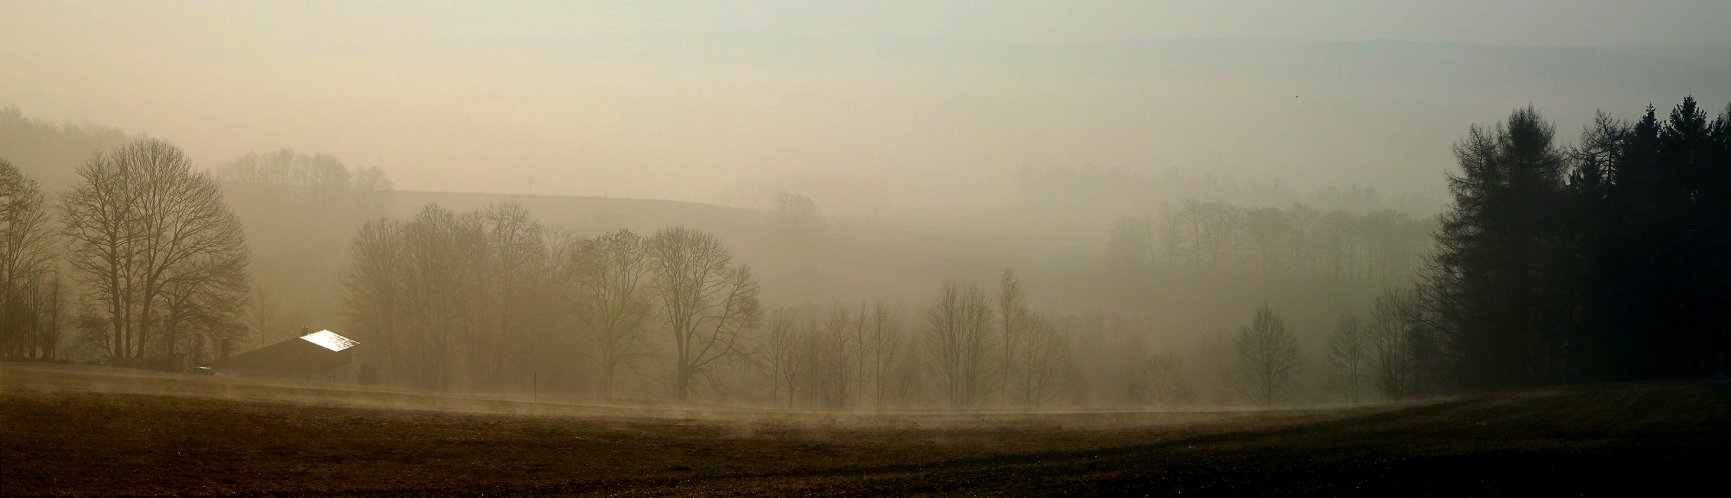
(869, 107)
(893, 205)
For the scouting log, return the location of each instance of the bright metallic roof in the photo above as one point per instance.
(329, 340)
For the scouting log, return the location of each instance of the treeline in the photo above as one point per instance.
(1195, 237)
(50, 153)
(490, 300)
(288, 168)
(1096, 189)
(1606, 260)
(964, 349)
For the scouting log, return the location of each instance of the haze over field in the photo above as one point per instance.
(868, 107)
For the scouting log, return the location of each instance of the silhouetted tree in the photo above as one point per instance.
(785, 348)
(1349, 358)
(515, 294)
(1496, 271)
(1013, 317)
(883, 341)
(381, 303)
(833, 363)
(611, 279)
(1268, 357)
(1042, 361)
(708, 302)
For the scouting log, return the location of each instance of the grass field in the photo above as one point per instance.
(78, 431)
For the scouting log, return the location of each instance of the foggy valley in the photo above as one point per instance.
(790, 249)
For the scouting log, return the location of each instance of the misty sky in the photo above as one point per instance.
(704, 102)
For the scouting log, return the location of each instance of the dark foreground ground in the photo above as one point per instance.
(79, 431)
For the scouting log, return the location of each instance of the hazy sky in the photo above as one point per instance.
(714, 102)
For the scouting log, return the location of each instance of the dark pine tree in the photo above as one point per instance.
(1497, 281)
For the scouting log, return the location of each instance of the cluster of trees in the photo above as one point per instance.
(451, 299)
(289, 168)
(159, 260)
(1213, 237)
(795, 216)
(965, 349)
(484, 299)
(841, 358)
(156, 246)
(1602, 261)
(958, 352)
(1395, 352)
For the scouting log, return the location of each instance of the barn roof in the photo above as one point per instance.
(306, 355)
(329, 340)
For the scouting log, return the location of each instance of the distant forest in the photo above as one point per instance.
(1601, 260)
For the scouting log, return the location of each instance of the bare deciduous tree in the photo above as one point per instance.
(378, 298)
(785, 354)
(1269, 357)
(204, 308)
(708, 302)
(1391, 342)
(883, 336)
(29, 286)
(513, 278)
(611, 276)
(1013, 316)
(1042, 361)
(960, 343)
(1349, 358)
(834, 363)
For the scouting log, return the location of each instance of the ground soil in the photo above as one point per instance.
(81, 431)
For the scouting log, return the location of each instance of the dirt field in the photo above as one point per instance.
(78, 431)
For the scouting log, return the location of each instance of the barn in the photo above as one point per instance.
(316, 355)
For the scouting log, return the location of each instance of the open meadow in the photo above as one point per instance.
(83, 431)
